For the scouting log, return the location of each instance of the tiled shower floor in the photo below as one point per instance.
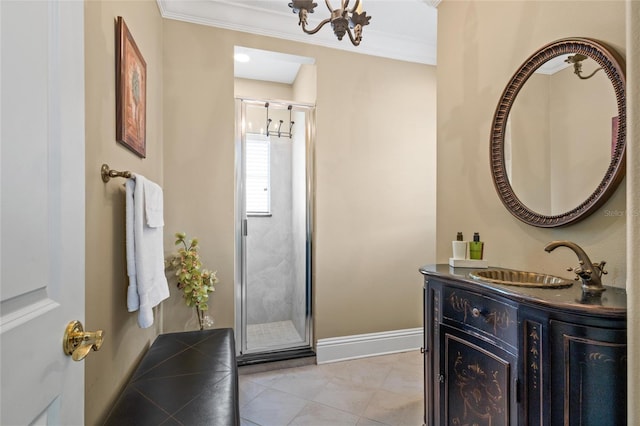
(271, 334)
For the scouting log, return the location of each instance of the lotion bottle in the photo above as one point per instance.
(476, 247)
(459, 247)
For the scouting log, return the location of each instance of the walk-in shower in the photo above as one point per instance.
(274, 147)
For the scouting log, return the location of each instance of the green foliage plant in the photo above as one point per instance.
(195, 281)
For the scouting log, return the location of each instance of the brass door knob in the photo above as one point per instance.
(78, 343)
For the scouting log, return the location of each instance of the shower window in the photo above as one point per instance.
(258, 175)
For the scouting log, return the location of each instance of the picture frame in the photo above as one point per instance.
(131, 92)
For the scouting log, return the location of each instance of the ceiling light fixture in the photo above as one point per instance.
(576, 60)
(343, 20)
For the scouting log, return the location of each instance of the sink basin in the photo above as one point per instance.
(520, 278)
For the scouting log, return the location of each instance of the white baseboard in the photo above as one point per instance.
(364, 345)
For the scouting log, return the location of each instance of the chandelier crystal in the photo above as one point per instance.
(344, 20)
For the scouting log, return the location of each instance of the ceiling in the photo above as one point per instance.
(399, 29)
(554, 65)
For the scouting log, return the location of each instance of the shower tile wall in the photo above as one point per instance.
(270, 268)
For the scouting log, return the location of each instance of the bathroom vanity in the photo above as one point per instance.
(509, 355)
(518, 348)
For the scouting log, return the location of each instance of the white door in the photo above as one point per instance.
(41, 209)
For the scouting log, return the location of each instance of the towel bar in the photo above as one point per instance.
(107, 173)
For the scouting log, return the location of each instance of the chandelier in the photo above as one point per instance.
(344, 20)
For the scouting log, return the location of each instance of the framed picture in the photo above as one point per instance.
(131, 92)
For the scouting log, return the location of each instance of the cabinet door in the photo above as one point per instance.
(589, 375)
(425, 352)
(432, 319)
(479, 386)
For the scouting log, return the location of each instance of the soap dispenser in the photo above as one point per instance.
(476, 247)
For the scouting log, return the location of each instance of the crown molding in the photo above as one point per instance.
(247, 18)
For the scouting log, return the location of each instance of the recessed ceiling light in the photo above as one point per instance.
(241, 57)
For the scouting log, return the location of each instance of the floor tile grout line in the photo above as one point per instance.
(332, 375)
(323, 389)
(369, 402)
(255, 396)
(309, 401)
(359, 416)
(356, 384)
(299, 411)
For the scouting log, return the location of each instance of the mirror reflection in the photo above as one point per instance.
(560, 133)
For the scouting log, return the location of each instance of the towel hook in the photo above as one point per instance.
(291, 123)
(266, 105)
(279, 124)
(107, 173)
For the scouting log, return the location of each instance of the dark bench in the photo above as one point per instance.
(188, 378)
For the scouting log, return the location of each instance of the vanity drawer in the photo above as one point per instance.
(485, 315)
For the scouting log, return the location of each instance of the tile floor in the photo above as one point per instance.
(376, 391)
(272, 334)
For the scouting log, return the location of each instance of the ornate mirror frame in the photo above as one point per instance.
(613, 65)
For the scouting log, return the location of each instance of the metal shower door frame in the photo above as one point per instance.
(240, 278)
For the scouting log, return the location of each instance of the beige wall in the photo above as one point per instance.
(374, 218)
(480, 45)
(305, 86)
(254, 89)
(106, 277)
(199, 157)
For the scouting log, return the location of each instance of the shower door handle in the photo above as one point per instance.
(244, 227)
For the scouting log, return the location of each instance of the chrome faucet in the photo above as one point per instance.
(589, 273)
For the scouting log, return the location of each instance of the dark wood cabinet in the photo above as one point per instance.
(594, 368)
(479, 381)
(496, 355)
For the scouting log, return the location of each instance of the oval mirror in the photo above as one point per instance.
(559, 131)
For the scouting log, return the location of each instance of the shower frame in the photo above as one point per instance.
(240, 279)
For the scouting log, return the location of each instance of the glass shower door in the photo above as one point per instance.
(274, 227)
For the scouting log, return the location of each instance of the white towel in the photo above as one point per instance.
(145, 252)
(153, 204)
(133, 301)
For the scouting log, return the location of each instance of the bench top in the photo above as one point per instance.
(184, 378)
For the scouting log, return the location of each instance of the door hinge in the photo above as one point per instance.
(244, 227)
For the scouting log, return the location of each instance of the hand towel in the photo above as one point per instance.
(153, 204)
(150, 282)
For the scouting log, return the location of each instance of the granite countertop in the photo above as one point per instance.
(613, 301)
